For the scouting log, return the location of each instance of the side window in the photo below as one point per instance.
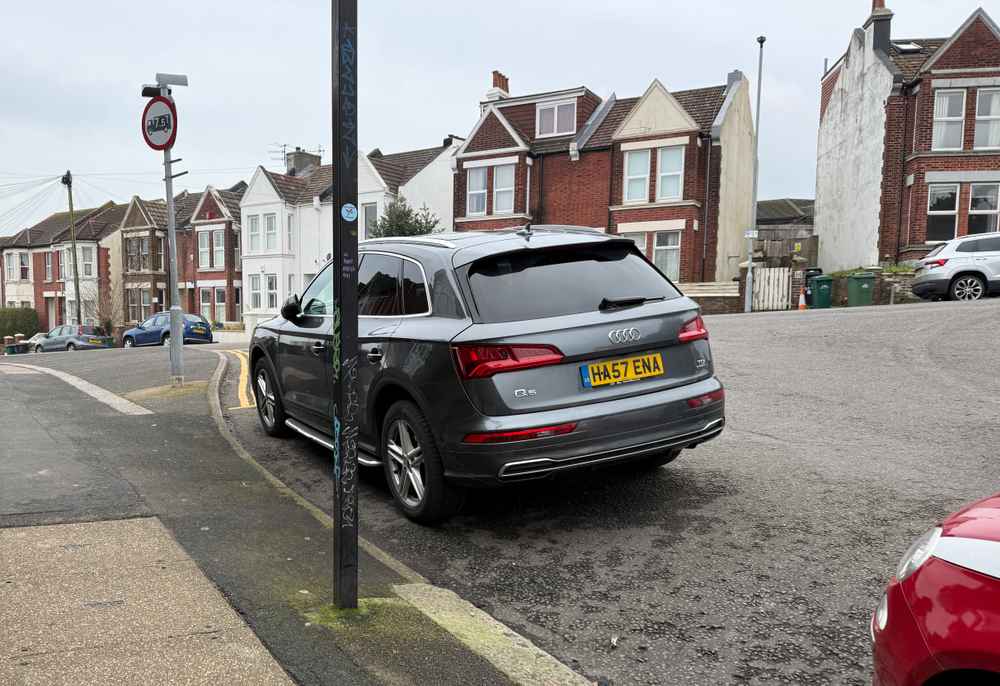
(161, 321)
(414, 289)
(989, 245)
(61, 331)
(318, 299)
(378, 286)
(969, 246)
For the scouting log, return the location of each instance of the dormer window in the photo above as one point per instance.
(555, 119)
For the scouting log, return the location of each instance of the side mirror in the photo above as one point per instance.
(292, 309)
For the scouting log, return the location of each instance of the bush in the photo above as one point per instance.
(402, 220)
(14, 320)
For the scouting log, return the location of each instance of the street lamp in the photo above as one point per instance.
(752, 231)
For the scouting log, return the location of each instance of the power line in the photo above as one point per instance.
(17, 214)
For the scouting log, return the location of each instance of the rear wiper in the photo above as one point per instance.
(619, 303)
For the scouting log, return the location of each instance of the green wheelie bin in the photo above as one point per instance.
(822, 292)
(860, 289)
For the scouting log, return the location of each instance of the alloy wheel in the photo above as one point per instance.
(406, 464)
(129, 343)
(265, 399)
(968, 288)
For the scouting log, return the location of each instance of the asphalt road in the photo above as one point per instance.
(755, 559)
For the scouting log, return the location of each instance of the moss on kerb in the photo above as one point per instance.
(373, 616)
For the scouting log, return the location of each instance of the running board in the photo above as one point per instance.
(364, 459)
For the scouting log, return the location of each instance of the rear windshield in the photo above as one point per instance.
(194, 319)
(936, 250)
(533, 284)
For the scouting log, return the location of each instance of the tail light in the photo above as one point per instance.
(520, 434)
(707, 399)
(936, 263)
(694, 330)
(482, 361)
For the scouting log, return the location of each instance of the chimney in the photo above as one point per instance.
(734, 77)
(301, 163)
(500, 89)
(880, 22)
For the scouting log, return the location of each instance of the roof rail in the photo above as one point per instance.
(418, 240)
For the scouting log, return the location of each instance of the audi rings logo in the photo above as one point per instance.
(623, 336)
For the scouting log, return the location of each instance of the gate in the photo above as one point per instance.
(771, 288)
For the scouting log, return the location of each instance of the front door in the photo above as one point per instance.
(304, 356)
(56, 339)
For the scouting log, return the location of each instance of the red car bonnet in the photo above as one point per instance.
(980, 520)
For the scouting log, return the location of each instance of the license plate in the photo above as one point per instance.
(95, 341)
(622, 371)
(198, 330)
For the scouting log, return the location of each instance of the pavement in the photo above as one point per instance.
(128, 537)
(755, 559)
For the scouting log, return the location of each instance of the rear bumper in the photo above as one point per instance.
(606, 433)
(927, 287)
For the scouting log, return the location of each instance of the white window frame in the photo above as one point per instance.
(974, 212)
(365, 208)
(88, 264)
(48, 266)
(961, 119)
(290, 232)
(979, 118)
(24, 266)
(649, 159)
(9, 259)
(64, 260)
(237, 252)
(218, 248)
(204, 250)
(255, 299)
(660, 174)
(505, 189)
(677, 248)
(253, 234)
(291, 284)
(220, 307)
(270, 232)
(272, 293)
(469, 192)
(951, 213)
(206, 305)
(554, 106)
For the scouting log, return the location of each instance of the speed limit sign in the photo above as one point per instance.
(159, 123)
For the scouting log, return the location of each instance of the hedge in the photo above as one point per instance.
(14, 320)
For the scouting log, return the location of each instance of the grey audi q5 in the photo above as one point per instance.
(494, 358)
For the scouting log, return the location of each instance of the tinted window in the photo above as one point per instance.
(560, 281)
(318, 298)
(93, 331)
(414, 289)
(989, 244)
(967, 246)
(378, 286)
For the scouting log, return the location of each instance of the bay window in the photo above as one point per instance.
(204, 250)
(220, 305)
(988, 119)
(949, 120)
(25, 268)
(255, 292)
(290, 228)
(219, 249)
(503, 189)
(272, 291)
(983, 209)
(10, 273)
(476, 201)
(206, 304)
(942, 212)
(670, 173)
(637, 176)
(87, 256)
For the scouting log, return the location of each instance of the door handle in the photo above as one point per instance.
(375, 355)
(318, 347)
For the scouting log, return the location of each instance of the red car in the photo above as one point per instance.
(939, 621)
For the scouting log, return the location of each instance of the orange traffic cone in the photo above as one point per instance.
(802, 299)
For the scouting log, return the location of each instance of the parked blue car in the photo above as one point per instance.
(156, 331)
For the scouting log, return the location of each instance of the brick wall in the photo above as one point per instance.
(492, 135)
(574, 193)
(978, 46)
(826, 91)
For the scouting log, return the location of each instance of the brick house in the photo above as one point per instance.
(38, 272)
(208, 255)
(671, 170)
(909, 142)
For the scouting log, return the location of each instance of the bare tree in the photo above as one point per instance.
(108, 304)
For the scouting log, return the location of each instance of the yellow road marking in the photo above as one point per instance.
(244, 387)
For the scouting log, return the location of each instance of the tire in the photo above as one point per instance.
(660, 460)
(967, 287)
(270, 410)
(129, 342)
(410, 455)
(38, 349)
(70, 347)
(165, 340)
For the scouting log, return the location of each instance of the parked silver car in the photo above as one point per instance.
(966, 268)
(71, 337)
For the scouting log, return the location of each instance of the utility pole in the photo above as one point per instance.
(752, 231)
(159, 122)
(344, 367)
(67, 180)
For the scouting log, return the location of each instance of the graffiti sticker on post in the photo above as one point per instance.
(159, 123)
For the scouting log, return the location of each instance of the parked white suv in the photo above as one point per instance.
(966, 268)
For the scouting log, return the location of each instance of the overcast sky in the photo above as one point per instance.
(70, 75)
